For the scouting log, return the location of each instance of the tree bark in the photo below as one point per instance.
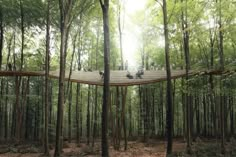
(120, 36)
(169, 114)
(47, 67)
(88, 116)
(187, 68)
(69, 112)
(77, 111)
(7, 87)
(124, 94)
(64, 21)
(221, 62)
(1, 35)
(22, 34)
(106, 91)
(96, 93)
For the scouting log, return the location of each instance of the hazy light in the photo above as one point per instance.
(131, 32)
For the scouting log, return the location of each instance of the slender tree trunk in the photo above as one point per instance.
(173, 104)
(120, 36)
(187, 68)
(95, 116)
(1, 55)
(88, 116)
(59, 136)
(51, 115)
(221, 61)
(145, 109)
(96, 91)
(80, 115)
(22, 34)
(106, 91)
(153, 113)
(78, 108)
(211, 78)
(1, 35)
(63, 31)
(124, 94)
(6, 113)
(140, 111)
(169, 114)
(161, 119)
(117, 120)
(18, 79)
(17, 108)
(77, 111)
(69, 84)
(47, 56)
(24, 104)
(13, 126)
(130, 118)
(1, 108)
(65, 22)
(69, 113)
(7, 88)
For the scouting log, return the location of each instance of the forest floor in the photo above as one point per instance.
(153, 148)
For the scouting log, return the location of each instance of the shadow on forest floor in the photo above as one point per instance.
(153, 148)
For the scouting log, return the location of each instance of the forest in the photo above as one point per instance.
(118, 78)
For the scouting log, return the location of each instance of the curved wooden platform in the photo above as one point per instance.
(117, 78)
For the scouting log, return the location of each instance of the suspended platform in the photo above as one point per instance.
(117, 78)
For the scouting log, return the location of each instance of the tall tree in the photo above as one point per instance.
(120, 34)
(18, 79)
(96, 88)
(187, 68)
(106, 92)
(47, 56)
(1, 35)
(65, 8)
(221, 63)
(169, 114)
(88, 115)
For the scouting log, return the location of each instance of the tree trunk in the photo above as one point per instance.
(47, 67)
(124, 94)
(77, 111)
(22, 34)
(140, 111)
(120, 36)
(7, 88)
(169, 114)
(106, 91)
(187, 68)
(60, 107)
(18, 79)
(77, 114)
(1, 35)
(95, 116)
(88, 116)
(69, 113)
(130, 118)
(161, 117)
(153, 113)
(117, 120)
(96, 90)
(13, 126)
